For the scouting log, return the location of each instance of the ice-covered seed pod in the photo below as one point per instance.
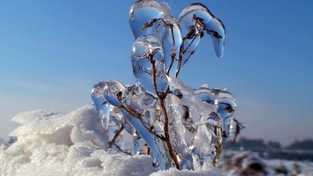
(115, 92)
(194, 20)
(149, 17)
(205, 94)
(107, 96)
(111, 118)
(226, 103)
(148, 64)
(103, 108)
(145, 11)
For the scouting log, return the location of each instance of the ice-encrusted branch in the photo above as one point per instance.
(180, 125)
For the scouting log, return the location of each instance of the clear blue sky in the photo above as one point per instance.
(52, 52)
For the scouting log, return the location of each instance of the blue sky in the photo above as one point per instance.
(52, 52)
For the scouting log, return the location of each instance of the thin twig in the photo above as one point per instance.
(119, 148)
(111, 143)
(237, 128)
(182, 52)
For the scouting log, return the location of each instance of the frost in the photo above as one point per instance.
(176, 125)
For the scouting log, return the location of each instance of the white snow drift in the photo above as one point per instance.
(51, 143)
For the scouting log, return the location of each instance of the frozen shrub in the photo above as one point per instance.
(181, 126)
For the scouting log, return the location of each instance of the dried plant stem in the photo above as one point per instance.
(167, 136)
(182, 52)
(218, 148)
(237, 128)
(111, 143)
(161, 97)
(148, 150)
(119, 148)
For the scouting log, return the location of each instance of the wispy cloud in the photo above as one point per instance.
(39, 85)
(34, 85)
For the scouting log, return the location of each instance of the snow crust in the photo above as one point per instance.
(52, 143)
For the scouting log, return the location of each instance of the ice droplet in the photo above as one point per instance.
(148, 64)
(194, 20)
(144, 11)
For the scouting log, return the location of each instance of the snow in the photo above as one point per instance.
(305, 166)
(52, 143)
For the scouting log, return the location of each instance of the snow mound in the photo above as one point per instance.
(52, 143)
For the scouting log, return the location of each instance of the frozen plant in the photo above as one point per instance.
(177, 125)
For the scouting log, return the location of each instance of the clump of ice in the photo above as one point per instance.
(52, 143)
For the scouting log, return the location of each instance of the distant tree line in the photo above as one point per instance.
(252, 144)
(301, 145)
(260, 144)
(297, 150)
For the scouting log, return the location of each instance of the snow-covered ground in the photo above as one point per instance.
(241, 163)
(305, 167)
(52, 143)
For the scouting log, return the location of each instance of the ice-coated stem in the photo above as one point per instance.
(218, 147)
(153, 142)
(167, 136)
(119, 131)
(161, 97)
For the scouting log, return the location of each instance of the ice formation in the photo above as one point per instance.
(177, 125)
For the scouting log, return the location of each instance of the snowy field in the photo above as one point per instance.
(52, 143)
